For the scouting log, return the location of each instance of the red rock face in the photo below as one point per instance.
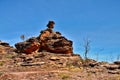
(33, 47)
(29, 46)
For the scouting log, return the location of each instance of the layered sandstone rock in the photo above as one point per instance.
(48, 40)
(29, 46)
(52, 43)
(57, 44)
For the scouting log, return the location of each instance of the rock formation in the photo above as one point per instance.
(5, 48)
(29, 46)
(4, 44)
(48, 40)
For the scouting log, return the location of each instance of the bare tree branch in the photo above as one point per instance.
(86, 47)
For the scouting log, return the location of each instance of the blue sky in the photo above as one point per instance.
(99, 20)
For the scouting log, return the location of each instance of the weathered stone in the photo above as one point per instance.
(4, 44)
(112, 66)
(5, 48)
(28, 59)
(57, 45)
(114, 72)
(33, 64)
(23, 56)
(117, 62)
(48, 41)
(29, 46)
(39, 55)
(54, 58)
(90, 62)
(93, 64)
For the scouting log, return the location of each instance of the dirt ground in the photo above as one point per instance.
(11, 69)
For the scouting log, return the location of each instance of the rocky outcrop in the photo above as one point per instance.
(4, 44)
(5, 48)
(29, 46)
(48, 40)
(117, 62)
(57, 44)
(47, 59)
(112, 66)
(52, 42)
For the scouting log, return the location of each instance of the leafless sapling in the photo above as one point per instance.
(22, 37)
(86, 47)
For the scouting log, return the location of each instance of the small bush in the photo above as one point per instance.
(64, 76)
(9, 56)
(2, 63)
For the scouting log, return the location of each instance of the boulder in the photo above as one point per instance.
(57, 44)
(29, 46)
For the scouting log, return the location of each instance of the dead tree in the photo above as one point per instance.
(86, 47)
(22, 37)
